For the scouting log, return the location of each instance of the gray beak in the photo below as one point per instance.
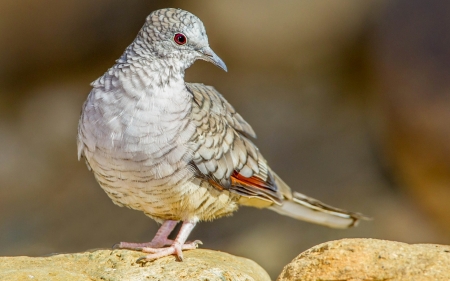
(209, 55)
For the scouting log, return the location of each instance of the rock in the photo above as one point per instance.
(121, 265)
(414, 100)
(370, 259)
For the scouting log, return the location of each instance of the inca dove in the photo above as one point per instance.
(179, 151)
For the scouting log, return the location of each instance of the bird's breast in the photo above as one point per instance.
(137, 144)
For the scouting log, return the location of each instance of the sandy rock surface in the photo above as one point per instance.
(370, 259)
(120, 265)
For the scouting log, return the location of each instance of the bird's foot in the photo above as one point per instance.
(155, 243)
(156, 249)
(175, 249)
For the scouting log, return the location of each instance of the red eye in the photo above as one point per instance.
(180, 39)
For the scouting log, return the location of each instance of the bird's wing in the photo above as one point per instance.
(223, 152)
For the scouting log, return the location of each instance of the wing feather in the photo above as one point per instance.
(224, 155)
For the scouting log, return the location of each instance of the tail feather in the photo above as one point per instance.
(308, 209)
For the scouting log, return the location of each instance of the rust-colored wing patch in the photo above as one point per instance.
(238, 179)
(255, 187)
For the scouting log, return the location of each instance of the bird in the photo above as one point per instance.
(178, 151)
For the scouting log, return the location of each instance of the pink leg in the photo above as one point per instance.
(177, 246)
(160, 240)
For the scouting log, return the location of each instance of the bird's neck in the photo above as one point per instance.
(158, 69)
(144, 75)
(148, 87)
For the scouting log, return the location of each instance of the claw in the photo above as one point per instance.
(198, 242)
(142, 260)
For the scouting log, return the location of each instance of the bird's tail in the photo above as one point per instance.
(308, 209)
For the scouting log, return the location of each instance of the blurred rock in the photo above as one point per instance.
(413, 67)
(370, 259)
(120, 265)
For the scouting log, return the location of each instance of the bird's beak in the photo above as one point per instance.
(209, 55)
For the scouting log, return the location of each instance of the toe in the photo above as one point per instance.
(178, 252)
(160, 253)
(153, 250)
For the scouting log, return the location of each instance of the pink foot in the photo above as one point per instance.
(156, 246)
(175, 249)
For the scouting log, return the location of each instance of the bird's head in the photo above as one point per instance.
(175, 35)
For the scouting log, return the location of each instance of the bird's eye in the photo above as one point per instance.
(180, 39)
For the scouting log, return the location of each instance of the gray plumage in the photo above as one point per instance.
(174, 150)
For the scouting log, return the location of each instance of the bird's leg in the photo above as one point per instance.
(177, 246)
(160, 240)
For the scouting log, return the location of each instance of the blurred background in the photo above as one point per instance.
(350, 101)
